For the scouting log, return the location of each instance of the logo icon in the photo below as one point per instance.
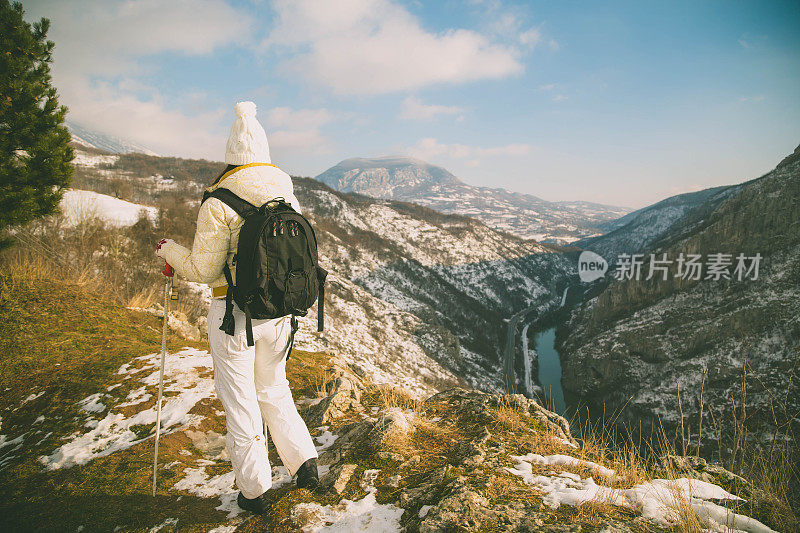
(591, 266)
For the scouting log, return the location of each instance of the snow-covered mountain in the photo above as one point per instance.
(413, 285)
(524, 215)
(101, 141)
(636, 345)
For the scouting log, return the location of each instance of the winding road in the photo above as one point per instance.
(511, 342)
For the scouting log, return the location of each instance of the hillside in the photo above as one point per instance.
(78, 421)
(640, 230)
(524, 215)
(730, 346)
(414, 297)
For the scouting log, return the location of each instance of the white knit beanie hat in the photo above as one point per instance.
(247, 142)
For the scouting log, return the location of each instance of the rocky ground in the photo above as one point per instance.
(464, 460)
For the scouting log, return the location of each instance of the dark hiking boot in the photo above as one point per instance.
(258, 505)
(308, 476)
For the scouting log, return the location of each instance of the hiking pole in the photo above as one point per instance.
(169, 273)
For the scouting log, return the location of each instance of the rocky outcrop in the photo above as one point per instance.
(449, 472)
(336, 479)
(479, 404)
(344, 394)
(699, 468)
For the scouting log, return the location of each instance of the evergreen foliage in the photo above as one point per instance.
(35, 156)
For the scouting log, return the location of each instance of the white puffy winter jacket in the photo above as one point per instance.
(218, 225)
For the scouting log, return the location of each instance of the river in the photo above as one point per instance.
(550, 370)
(549, 362)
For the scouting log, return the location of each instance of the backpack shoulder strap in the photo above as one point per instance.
(243, 208)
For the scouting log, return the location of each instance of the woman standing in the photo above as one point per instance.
(250, 380)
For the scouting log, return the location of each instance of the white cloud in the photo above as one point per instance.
(414, 109)
(377, 46)
(109, 108)
(508, 23)
(429, 148)
(299, 130)
(101, 44)
(754, 99)
(530, 37)
(105, 37)
(550, 87)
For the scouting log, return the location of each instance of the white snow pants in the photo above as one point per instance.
(251, 383)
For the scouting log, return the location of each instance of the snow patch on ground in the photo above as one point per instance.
(182, 376)
(78, 206)
(348, 516)
(15, 445)
(326, 439)
(659, 499)
(224, 529)
(222, 486)
(84, 159)
(92, 404)
(566, 460)
(31, 397)
(162, 525)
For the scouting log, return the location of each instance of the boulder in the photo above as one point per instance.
(338, 476)
(344, 395)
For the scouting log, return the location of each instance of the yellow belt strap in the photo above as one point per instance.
(219, 292)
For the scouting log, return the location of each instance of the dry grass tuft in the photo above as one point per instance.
(624, 458)
(386, 396)
(144, 298)
(430, 440)
(508, 417)
(321, 381)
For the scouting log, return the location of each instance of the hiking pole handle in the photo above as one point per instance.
(168, 270)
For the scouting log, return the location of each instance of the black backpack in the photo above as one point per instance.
(277, 271)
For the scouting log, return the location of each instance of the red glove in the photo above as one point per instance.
(168, 270)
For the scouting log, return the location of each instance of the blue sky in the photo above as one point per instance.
(622, 103)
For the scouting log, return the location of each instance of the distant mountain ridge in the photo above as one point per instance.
(524, 215)
(385, 177)
(639, 230)
(104, 142)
